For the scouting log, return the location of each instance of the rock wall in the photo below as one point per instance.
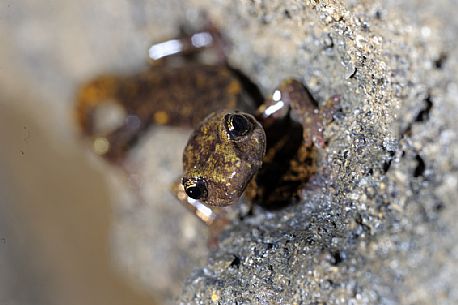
(380, 229)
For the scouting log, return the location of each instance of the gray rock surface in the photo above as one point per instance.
(379, 229)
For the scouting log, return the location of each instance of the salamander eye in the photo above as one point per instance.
(196, 188)
(237, 125)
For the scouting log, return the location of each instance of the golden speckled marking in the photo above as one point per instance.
(184, 95)
(227, 166)
(161, 117)
(234, 87)
(162, 94)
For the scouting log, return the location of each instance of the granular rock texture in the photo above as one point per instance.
(380, 227)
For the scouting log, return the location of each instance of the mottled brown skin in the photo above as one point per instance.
(293, 134)
(164, 95)
(227, 165)
(280, 150)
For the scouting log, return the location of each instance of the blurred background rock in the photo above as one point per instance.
(76, 231)
(56, 209)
